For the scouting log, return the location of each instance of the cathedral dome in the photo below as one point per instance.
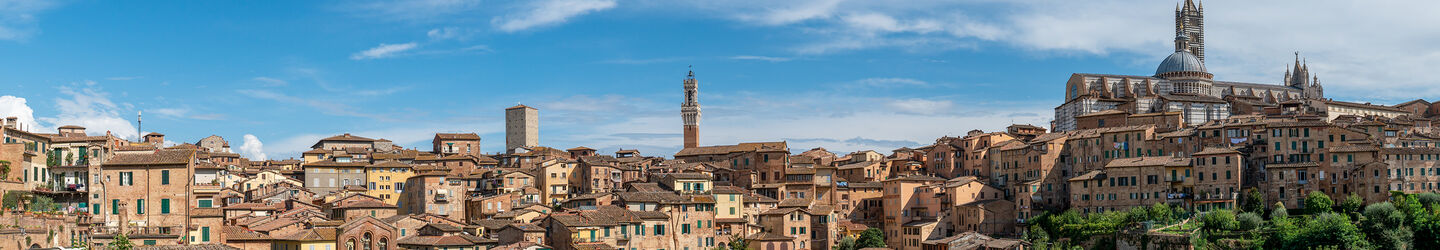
(1180, 61)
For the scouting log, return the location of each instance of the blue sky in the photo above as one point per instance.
(274, 76)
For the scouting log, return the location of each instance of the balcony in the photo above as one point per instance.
(213, 187)
(1176, 179)
(137, 231)
(1177, 196)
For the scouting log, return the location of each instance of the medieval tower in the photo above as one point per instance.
(690, 110)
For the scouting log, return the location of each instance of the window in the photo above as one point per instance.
(205, 234)
(164, 206)
(659, 229)
(140, 206)
(164, 177)
(115, 206)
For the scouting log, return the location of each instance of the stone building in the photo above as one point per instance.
(456, 143)
(430, 192)
(148, 196)
(522, 127)
(214, 143)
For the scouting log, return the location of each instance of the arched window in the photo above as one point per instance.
(382, 244)
(350, 244)
(365, 241)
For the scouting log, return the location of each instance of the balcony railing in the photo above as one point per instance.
(207, 187)
(138, 231)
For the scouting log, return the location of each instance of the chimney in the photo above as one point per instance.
(11, 122)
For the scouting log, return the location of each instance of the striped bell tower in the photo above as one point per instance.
(1190, 22)
(690, 110)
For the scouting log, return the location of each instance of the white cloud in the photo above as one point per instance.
(384, 51)
(549, 12)
(891, 82)
(18, 20)
(11, 106)
(445, 33)
(91, 108)
(1377, 50)
(270, 82)
(761, 58)
(777, 13)
(921, 106)
(412, 10)
(838, 119)
(252, 148)
(171, 112)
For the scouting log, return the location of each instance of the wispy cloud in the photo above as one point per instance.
(87, 105)
(446, 33)
(760, 58)
(549, 12)
(384, 51)
(18, 18)
(411, 10)
(891, 82)
(921, 106)
(270, 82)
(315, 76)
(327, 107)
(644, 60)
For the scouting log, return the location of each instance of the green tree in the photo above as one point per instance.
(1254, 201)
(12, 199)
(1317, 203)
(736, 243)
(1329, 230)
(870, 238)
(1279, 212)
(1352, 204)
(1385, 226)
(1161, 213)
(4, 169)
(1428, 199)
(1248, 221)
(1218, 220)
(41, 203)
(1426, 229)
(847, 243)
(1036, 234)
(1137, 214)
(120, 242)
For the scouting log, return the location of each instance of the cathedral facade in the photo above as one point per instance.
(1181, 85)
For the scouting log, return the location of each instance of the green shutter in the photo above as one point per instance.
(206, 203)
(115, 206)
(205, 234)
(164, 177)
(140, 206)
(164, 206)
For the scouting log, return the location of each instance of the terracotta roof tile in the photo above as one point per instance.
(160, 157)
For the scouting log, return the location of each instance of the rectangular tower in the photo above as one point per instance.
(690, 111)
(522, 127)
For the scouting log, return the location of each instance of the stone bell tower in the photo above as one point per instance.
(690, 110)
